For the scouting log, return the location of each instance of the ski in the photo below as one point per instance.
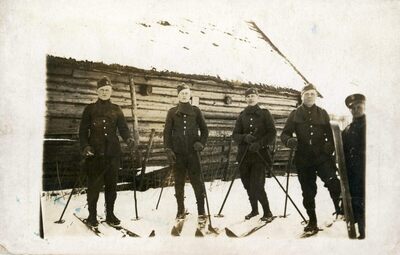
(177, 228)
(258, 225)
(95, 230)
(123, 230)
(344, 183)
(307, 234)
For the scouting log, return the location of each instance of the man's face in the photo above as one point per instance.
(104, 92)
(309, 97)
(358, 109)
(184, 95)
(252, 99)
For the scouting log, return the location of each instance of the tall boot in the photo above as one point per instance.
(181, 207)
(92, 219)
(338, 208)
(312, 223)
(254, 209)
(267, 212)
(110, 217)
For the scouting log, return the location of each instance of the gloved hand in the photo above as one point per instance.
(254, 147)
(132, 145)
(88, 152)
(197, 146)
(249, 138)
(292, 143)
(170, 155)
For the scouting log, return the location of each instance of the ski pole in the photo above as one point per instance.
(230, 186)
(134, 185)
(289, 166)
(164, 182)
(280, 185)
(77, 181)
(210, 227)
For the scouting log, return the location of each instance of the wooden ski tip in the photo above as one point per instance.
(199, 233)
(152, 233)
(174, 231)
(229, 233)
(213, 230)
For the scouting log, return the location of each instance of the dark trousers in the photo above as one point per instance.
(102, 171)
(188, 164)
(252, 174)
(308, 177)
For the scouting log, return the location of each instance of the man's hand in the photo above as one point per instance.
(249, 138)
(170, 155)
(88, 152)
(197, 146)
(292, 143)
(254, 147)
(132, 145)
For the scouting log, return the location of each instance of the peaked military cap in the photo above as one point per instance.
(105, 81)
(310, 86)
(350, 100)
(182, 87)
(251, 91)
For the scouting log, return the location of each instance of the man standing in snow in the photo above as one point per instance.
(254, 131)
(182, 142)
(100, 145)
(354, 151)
(314, 148)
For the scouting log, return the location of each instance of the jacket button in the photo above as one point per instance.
(311, 133)
(105, 134)
(251, 118)
(310, 126)
(184, 115)
(104, 127)
(251, 125)
(184, 127)
(104, 121)
(184, 121)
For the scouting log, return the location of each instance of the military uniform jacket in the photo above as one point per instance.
(313, 131)
(98, 128)
(354, 151)
(181, 129)
(259, 123)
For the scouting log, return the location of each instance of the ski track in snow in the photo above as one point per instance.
(162, 220)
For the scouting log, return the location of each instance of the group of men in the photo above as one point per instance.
(186, 133)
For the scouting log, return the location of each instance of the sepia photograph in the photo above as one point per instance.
(170, 127)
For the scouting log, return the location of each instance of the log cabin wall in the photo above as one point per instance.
(71, 85)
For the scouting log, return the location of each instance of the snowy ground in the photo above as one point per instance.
(162, 220)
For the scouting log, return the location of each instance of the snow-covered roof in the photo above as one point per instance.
(233, 52)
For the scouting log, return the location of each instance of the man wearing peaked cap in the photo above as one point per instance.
(101, 148)
(254, 131)
(354, 139)
(314, 147)
(182, 142)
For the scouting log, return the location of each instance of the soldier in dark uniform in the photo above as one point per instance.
(181, 142)
(254, 131)
(354, 152)
(100, 145)
(315, 146)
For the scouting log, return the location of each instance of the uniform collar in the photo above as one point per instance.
(185, 108)
(359, 119)
(252, 109)
(103, 102)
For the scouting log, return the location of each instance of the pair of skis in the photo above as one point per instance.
(230, 232)
(123, 230)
